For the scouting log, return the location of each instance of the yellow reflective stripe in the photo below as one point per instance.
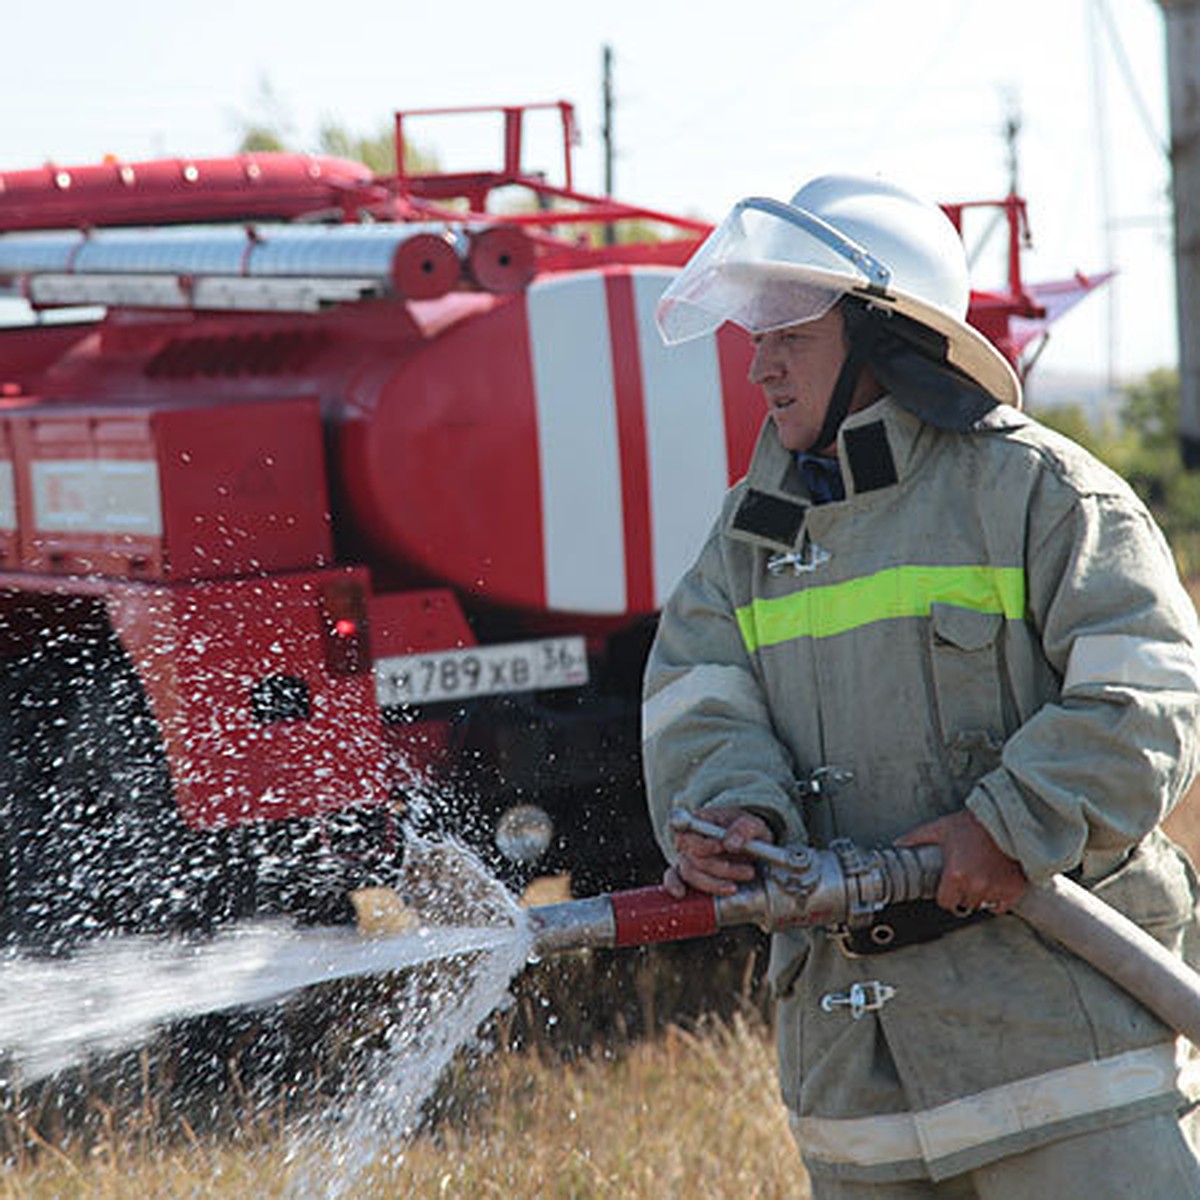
(819, 612)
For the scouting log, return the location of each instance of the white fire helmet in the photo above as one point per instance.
(769, 265)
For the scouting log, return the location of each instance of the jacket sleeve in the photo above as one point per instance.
(1093, 772)
(707, 735)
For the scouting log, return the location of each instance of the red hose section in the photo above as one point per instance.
(653, 915)
(425, 267)
(275, 186)
(501, 259)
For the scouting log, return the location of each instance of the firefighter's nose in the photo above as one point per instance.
(764, 365)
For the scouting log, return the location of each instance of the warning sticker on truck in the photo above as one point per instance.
(481, 671)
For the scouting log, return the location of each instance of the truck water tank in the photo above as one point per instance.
(550, 454)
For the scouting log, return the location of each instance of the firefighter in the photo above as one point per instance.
(924, 618)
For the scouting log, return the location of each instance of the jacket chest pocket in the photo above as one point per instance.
(965, 656)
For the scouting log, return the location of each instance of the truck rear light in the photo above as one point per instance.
(345, 628)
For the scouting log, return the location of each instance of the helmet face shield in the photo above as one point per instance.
(769, 265)
(766, 266)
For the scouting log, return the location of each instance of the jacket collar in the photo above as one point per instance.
(878, 448)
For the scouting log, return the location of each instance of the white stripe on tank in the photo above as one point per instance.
(578, 450)
(685, 438)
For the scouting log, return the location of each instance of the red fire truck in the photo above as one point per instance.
(329, 499)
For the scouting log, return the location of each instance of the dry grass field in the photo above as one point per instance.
(1184, 823)
(681, 1116)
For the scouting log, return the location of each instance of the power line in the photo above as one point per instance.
(610, 230)
(1103, 178)
(1122, 61)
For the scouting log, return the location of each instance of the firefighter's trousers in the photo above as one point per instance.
(1149, 1159)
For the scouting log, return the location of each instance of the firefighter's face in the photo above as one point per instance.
(797, 367)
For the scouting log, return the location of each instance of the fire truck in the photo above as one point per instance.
(334, 504)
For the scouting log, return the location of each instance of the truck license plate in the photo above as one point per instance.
(481, 671)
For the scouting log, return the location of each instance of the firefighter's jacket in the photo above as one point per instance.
(990, 619)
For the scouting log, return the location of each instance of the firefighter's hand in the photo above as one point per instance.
(976, 873)
(712, 866)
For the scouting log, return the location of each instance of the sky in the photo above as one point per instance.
(712, 102)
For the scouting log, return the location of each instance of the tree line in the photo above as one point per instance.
(1141, 443)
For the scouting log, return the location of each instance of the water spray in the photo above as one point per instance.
(845, 888)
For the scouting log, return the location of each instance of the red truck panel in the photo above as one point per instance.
(429, 619)
(254, 725)
(171, 492)
(405, 623)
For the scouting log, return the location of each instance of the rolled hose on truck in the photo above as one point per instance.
(845, 886)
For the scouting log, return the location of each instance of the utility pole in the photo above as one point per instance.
(610, 232)
(1012, 134)
(1183, 85)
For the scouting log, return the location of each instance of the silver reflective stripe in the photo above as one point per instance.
(8, 497)
(1000, 1112)
(730, 687)
(864, 1141)
(1122, 660)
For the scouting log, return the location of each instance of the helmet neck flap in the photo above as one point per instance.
(908, 360)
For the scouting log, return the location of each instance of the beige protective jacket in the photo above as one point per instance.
(989, 619)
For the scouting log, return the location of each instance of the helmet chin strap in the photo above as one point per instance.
(864, 330)
(909, 360)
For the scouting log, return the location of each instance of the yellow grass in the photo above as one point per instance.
(685, 1115)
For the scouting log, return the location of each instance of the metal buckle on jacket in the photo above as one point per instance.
(861, 998)
(823, 781)
(808, 558)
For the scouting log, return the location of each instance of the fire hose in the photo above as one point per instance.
(843, 888)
